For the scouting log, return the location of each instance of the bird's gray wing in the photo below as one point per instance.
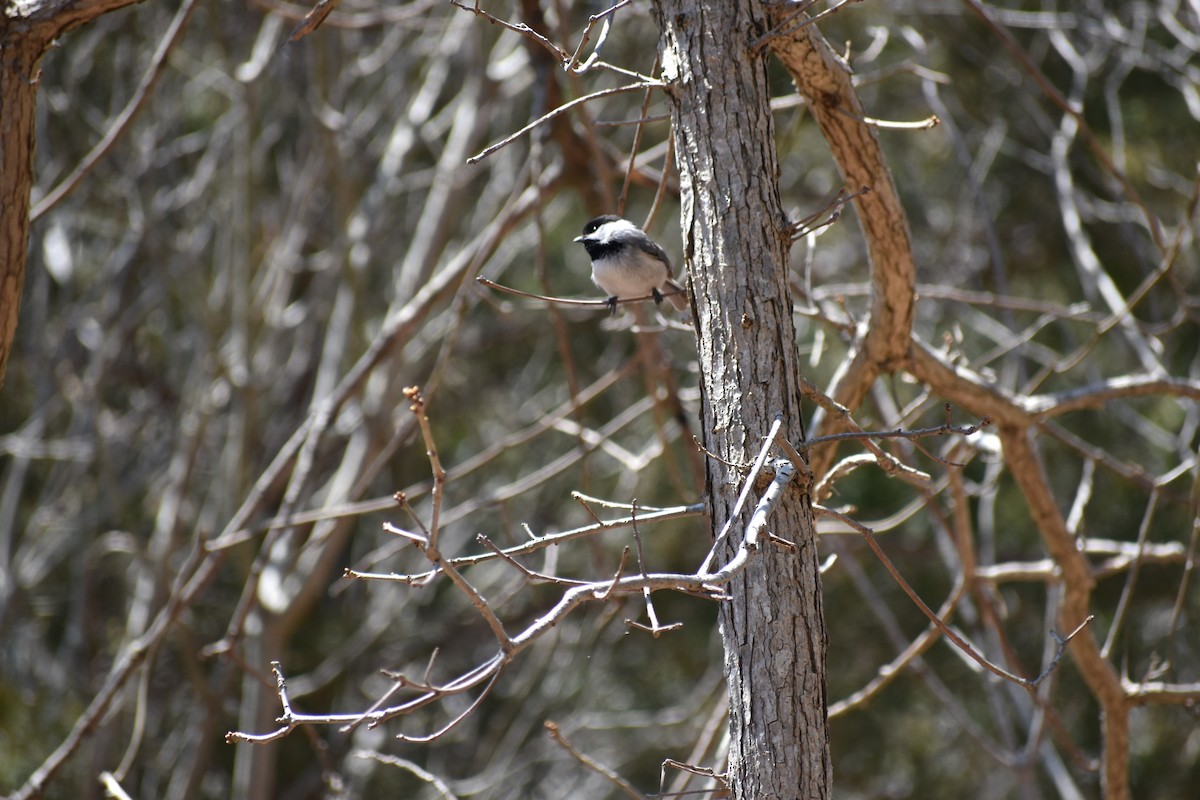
(651, 248)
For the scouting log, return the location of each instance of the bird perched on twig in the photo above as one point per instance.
(626, 263)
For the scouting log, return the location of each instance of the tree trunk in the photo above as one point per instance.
(18, 101)
(737, 251)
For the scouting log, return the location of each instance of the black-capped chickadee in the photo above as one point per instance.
(626, 263)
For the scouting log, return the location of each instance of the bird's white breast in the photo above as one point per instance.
(637, 275)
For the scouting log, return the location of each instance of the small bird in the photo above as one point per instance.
(626, 263)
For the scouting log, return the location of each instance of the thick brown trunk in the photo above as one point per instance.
(19, 55)
(773, 625)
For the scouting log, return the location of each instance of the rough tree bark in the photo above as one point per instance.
(737, 252)
(825, 81)
(27, 29)
(19, 56)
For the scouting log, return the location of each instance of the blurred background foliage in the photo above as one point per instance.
(275, 208)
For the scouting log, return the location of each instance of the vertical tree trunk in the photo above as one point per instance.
(733, 223)
(18, 102)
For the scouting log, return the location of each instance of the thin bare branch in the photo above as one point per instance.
(565, 107)
(626, 788)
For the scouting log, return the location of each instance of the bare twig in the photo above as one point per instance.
(555, 733)
(516, 27)
(430, 547)
(928, 123)
(565, 107)
(121, 124)
(946, 630)
(570, 301)
(605, 17)
(763, 454)
(288, 717)
(396, 761)
(537, 543)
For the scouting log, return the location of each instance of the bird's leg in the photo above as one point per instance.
(658, 298)
(612, 306)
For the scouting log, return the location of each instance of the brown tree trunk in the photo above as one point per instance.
(19, 55)
(733, 223)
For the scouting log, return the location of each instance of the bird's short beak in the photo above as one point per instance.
(577, 239)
